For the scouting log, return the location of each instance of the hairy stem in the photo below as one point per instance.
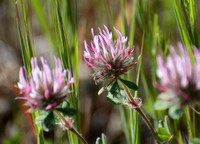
(131, 99)
(148, 123)
(71, 129)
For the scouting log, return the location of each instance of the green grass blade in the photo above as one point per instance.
(154, 48)
(185, 8)
(180, 140)
(77, 68)
(64, 51)
(182, 30)
(125, 123)
(77, 50)
(37, 7)
(193, 122)
(70, 137)
(26, 61)
(108, 12)
(30, 51)
(180, 24)
(67, 15)
(123, 14)
(189, 122)
(193, 20)
(67, 61)
(192, 11)
(131, 128)
(23, 51)
(140, 12)
(135, 114)
(104, 139)
(40, 137)
(149, 97)
(132, 26)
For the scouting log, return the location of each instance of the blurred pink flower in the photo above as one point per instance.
(179, 76)
(107, 57)
(45, 88)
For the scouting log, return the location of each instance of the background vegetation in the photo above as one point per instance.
(47, 28)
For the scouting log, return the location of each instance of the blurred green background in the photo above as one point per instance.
(98, 116)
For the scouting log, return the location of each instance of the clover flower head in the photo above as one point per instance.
(179, 76)
(45, 88)
(107, 57)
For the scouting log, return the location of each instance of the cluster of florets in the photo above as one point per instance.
(180, 76)
(45, 88)
(107, 57)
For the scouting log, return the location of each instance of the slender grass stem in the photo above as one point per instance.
(125, 123)
(189, 122)
(71, 129)
(141, 113)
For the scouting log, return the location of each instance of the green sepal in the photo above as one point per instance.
(105, 87)
(102, 90)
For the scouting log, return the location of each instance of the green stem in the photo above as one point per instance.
(71, 129)
(170, 139)
(131, 99)
(148, 123)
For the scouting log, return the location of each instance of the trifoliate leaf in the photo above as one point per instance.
(176, 112)
(114, 99)
(129, 84)
(162, 134)
(115, 89)
(40, 119)
(67, 111)
(166, 96)
(46, 120)
(114, 94)
(161, 105)
(49, 122)
(195, 141)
